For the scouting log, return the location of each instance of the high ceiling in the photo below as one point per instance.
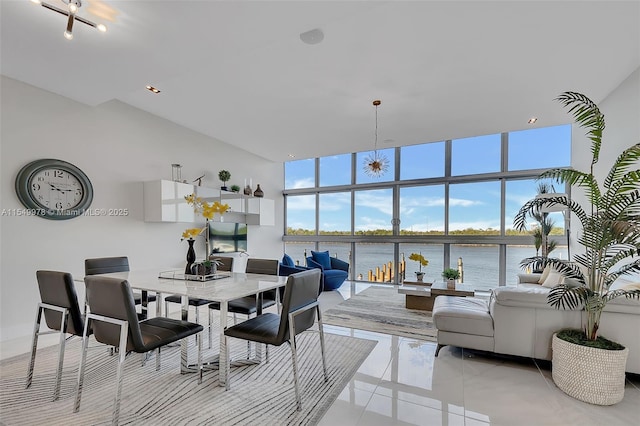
(239, 72)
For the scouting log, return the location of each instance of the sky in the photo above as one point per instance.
(472, 205)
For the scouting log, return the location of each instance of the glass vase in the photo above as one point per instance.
(191, 256)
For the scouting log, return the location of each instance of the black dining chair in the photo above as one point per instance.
(115, 322)
(59, 302)
(225, 264)
(107, 265)
(299, 309)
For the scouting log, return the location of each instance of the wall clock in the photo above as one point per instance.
(54, 189)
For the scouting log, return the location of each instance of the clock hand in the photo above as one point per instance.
(60, 190)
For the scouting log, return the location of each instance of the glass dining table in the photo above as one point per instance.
(222, 288)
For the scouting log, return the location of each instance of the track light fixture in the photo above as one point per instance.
(71, 13)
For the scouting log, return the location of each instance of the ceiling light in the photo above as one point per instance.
(71, 13)
(152, 89)
(375, 164)
(532, 120)
(292, 156)
(314, 36)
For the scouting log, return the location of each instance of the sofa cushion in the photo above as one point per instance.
(545, 274)
(467, 315)
(322, 257)
(553, 279)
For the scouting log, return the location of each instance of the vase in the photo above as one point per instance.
(419, 276)
(451, 284)
(191, 257)
(258, 192)
(591, 375)
(247, 190)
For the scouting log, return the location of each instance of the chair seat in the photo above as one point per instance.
(261, 329)
(333, 278)
(176, 298)
(160, 331)
(245, 305)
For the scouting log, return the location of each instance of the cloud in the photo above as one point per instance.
(335, 202)
(366, 223)
(301, 202)
(378, 200)
(459, 202)
(479, 224)
(301, 183)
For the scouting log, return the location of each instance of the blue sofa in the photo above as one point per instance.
(334, 271)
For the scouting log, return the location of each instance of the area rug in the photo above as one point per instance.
(382, 309)
(259, 394)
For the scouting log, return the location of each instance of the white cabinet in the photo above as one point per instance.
(164, 202)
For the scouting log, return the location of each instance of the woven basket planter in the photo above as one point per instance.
(589, 374)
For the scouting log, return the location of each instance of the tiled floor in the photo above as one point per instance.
(403, 383)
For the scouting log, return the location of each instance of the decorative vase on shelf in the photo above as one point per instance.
(258, 192)
(247, 190)
(451, 284)
(191, 256)
(419, 276)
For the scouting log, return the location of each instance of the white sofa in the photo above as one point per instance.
(519, 321)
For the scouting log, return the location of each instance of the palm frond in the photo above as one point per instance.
(621, 166)
(564, 297)
(588, 115)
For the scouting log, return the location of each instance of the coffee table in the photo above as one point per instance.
(422, 297)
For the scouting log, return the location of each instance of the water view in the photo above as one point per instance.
(480, 262)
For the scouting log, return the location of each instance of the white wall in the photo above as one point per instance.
(118, 147)
(621, 109)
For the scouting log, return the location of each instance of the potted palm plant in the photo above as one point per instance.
(585, 365)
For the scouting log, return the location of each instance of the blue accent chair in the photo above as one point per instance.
(288, 266)
(334, 271)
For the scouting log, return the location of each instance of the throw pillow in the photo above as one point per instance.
(545, 274)
(287, 260)
(553, 279)
(322, 257)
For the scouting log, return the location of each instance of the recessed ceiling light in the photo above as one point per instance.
(532, 120)
(388, 141)
(153, 89)
(292, 156)
(314, 36)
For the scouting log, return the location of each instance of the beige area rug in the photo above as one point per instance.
(260, 394)
(382, 309)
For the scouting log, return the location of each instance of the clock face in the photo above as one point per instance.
(54, 189)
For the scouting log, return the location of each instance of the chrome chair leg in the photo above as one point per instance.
(210, 331)
(200, 358)
(321, 330)
(63, 331)
(294, 360)
(158, 359)
(124, 328)
(83, 359)
(34, 346)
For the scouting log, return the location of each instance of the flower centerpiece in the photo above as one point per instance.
(208, 211)
(418, 257)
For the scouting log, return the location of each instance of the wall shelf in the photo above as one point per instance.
(164, 202)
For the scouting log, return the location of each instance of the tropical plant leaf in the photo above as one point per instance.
(588, 115)
(565, 297)
(625, 160)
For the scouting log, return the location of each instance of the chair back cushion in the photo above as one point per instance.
(106, 265)
(112, 297)
(262, 266)
(301, 289)
(287, 260)
(226, 263)
(57, 288)
(322, 257)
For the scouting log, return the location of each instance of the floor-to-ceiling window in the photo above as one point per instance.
(452, 201)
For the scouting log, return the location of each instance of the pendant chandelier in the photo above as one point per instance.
(376, 164)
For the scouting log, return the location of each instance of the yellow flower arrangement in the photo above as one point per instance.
(191, 233)
(418, 257)
(207, 210)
